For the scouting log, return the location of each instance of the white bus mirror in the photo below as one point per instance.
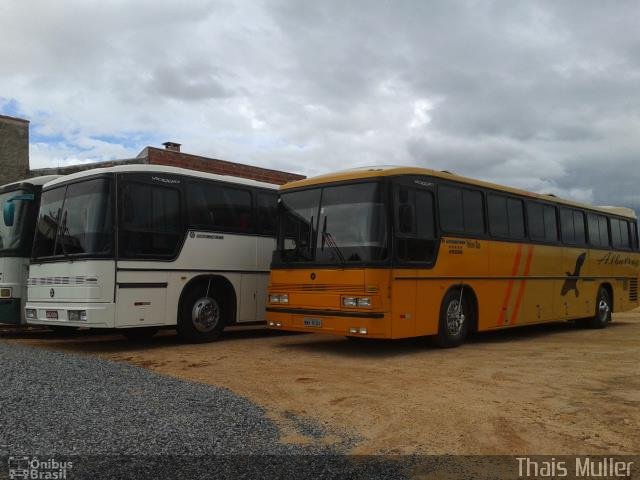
(9, 208)
(8, 211)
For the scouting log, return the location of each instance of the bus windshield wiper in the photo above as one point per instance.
(328, 238)
(63, 230)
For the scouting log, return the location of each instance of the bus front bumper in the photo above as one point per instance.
(10, 311)
(357, 324)
(92, 315)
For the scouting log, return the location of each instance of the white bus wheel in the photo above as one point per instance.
(202, 317)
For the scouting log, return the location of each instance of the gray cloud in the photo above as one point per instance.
(541, 95)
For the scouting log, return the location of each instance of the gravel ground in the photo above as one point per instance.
(59, 404)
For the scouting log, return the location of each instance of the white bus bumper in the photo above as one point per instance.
(93, 315)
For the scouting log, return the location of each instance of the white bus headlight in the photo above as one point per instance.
(77, 315)
(5, 292)
(356, 302)
(31, 313)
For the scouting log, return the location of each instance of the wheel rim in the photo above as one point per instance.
(603, 308)
(205, 314)
(455, 318)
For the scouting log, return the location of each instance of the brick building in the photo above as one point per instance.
(14, 149)
(173, 157)
(14, 159)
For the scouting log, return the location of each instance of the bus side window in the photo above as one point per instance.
(634, 235)
(415, 238)
(625, 241)
(598, 232)
(150, 224)
(566, 226)
(620, 234)
(535, 215)
(266, 212)
(218, 207)
(550, 224)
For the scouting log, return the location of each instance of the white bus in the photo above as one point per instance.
(19, 202)
(140, 247)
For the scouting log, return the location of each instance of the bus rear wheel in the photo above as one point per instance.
(455, 317)
(602, 315)
(202, 316)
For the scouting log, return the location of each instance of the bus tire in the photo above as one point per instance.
(202, 317)
(602, 315)
(140, 333)
(455, 318)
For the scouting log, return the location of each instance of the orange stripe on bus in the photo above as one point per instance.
(507, 294)
(523, 284)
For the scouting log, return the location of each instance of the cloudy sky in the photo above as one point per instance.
(543, 95)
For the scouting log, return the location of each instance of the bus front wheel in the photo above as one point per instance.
(202, 316)
(602, 315)
(455, 317)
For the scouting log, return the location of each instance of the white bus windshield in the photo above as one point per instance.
(75, 220)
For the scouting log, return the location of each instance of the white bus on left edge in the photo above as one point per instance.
(140, 247)
(19, 202)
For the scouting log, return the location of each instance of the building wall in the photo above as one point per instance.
(14, 149)
(158, 156)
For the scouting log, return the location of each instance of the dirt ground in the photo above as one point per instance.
(552, 389)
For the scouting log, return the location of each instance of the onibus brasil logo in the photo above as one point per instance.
(27, 468)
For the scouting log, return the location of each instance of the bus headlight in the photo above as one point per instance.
(358, 330)
(279, 298)
(5, 292)
(31, 313)
(352, 302)
(77, 315)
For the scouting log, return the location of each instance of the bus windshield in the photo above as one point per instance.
(13, 238)
(74, 220)
(340, 224)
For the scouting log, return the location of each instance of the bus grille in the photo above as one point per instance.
(633, 290)
(302, 287)
(77, 280)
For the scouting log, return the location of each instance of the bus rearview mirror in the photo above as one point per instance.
(8, 211)
(9, 208)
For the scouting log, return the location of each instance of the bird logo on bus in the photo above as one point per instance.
(571, 282)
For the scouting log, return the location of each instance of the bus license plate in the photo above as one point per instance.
(52, 314)
(312, 322)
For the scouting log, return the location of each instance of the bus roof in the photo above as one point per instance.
(394, 170)
(160, 169)
(29, 181)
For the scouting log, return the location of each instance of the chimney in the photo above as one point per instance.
(171, 146)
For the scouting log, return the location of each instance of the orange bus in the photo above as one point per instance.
(397, 252)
